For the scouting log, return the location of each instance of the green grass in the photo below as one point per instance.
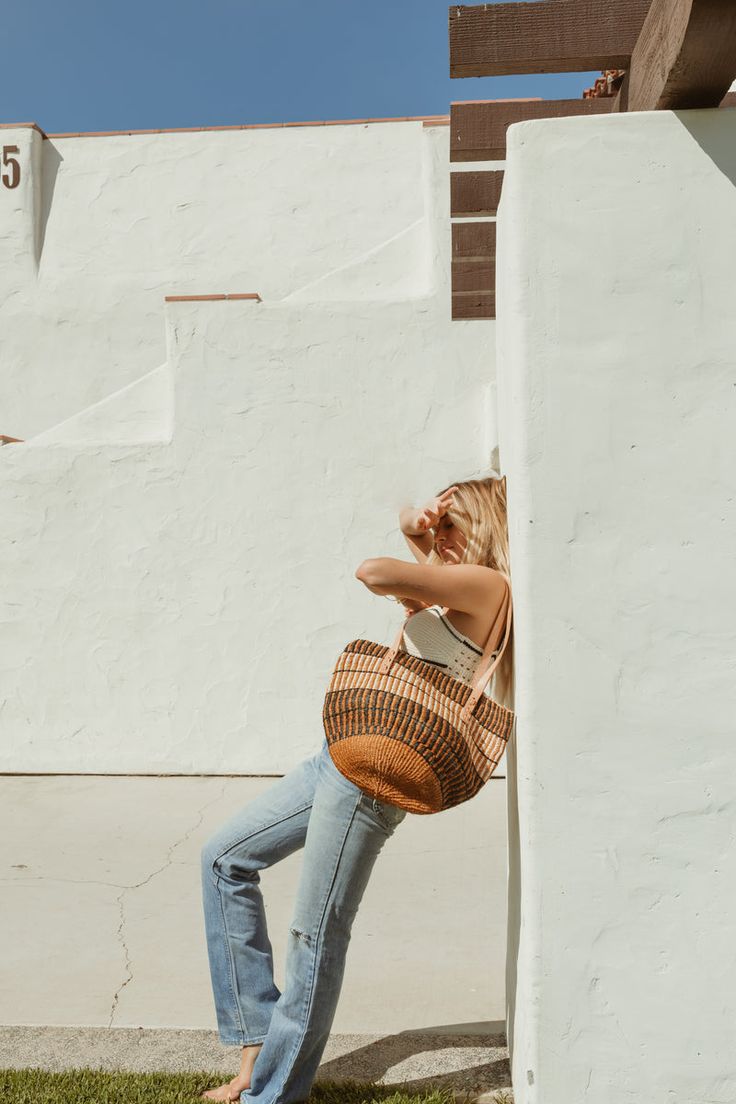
(92, 1086)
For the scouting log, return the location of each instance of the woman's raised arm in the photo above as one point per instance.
(416, 525)
(420, 541)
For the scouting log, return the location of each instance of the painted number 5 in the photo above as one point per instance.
(11, 179)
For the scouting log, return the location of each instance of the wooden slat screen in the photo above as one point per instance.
(677, 54)
(473, 270)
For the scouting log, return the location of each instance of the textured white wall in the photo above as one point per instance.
(180, 534)
(199, 481)
(314, 212)
(617, 403)
(181, 529)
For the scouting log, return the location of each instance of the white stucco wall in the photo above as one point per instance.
(101, 228)
(181, 528)
(617, 404)
(200, 480)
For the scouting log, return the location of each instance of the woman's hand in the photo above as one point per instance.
(416, 522)
(412, 605)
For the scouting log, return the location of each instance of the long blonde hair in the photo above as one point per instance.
(479, 509)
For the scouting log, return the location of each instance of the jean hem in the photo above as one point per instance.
(241, 1040)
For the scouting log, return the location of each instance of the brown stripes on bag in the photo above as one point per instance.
(415, 711)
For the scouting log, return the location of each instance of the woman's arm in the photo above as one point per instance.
(465, 587)
(420, 541)
(416, 526)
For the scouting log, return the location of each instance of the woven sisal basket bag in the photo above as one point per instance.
(409, 734)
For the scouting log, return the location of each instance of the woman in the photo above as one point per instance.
(341, 828)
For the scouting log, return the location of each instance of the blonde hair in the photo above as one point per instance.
(478, 508)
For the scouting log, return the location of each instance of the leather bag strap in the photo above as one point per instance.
(481, 676)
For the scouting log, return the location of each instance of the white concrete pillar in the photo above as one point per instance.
(617, 390)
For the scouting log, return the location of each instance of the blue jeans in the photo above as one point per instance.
(342, 830)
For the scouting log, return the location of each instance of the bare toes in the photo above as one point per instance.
(222, 1092)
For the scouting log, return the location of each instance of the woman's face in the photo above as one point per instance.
(449, 540)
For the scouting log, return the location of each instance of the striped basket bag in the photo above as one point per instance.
(408, 733)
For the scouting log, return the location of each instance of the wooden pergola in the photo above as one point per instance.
(656, 54)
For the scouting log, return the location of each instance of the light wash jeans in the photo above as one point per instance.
(342, 830)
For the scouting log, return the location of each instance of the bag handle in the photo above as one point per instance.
(480, 677)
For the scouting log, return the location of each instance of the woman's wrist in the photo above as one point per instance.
(408, 516)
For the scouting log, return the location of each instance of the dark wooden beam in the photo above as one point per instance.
(473, 305)
(685, 57)
(478, 128)
(473, 270)
(473, 241)
(468, 276)
(474, 194)
(548, 36)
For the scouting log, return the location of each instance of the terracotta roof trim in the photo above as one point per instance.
(516, 99)
(209, 298)
(426, 120)
(18, 126)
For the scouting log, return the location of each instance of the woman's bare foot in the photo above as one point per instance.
(232, 1090)
(229, 1092)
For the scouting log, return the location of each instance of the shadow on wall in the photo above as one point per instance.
(708, 133)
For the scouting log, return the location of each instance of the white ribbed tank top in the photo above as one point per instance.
(429, 635)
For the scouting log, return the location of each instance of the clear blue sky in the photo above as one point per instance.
(134, 65)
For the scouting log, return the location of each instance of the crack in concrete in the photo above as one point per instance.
(137, 885)
(69, 881)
